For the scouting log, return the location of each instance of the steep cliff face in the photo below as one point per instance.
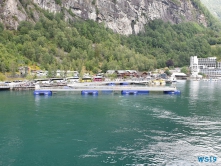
(11, 13)
(122, 16)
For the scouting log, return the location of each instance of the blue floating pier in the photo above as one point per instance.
(176, 92)
(42, 92)
(142, 92)
(129, 92)
(134, 92)
(89, 92)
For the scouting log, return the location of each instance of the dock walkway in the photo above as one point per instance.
(79, 87)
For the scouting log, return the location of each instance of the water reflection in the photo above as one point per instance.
(194, 90)
(39, 98)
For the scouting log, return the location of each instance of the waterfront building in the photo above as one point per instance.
(98, 78)
(86, 78)
(207, 63)
(208, 66)
(23, 70)
(180, 76)
(218, 65)
(122, 73)
(39, 73)
(211, 72)
(64, 73)
(194, 66)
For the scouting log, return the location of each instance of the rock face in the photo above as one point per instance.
(11, 13)
(122, 16)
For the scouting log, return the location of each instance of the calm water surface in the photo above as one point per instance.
(70, 129)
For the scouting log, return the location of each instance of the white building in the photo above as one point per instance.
(208, 66)
(218, 65)
(207, 63)
(63, 73)
(194, 67)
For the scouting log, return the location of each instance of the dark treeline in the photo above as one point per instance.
(51, 43)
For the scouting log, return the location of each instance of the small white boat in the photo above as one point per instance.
(171, 80)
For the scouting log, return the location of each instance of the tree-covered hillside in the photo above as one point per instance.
(51, 44)
(177, 42)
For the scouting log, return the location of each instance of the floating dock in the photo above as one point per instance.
(95, 89)
(113, 88)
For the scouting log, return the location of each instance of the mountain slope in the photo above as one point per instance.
(214, 6)
(55, 44)
(122, 16)
(60, 39)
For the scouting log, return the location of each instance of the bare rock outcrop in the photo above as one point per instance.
(122, 16)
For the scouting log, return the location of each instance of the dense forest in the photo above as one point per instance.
(52, 43)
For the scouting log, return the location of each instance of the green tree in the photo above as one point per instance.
(185, 70)
(167, 72)
(24, 27)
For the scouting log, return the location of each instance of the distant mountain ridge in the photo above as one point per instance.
(214, 6)
(122, 16)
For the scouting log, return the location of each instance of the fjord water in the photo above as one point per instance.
(110, 129)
